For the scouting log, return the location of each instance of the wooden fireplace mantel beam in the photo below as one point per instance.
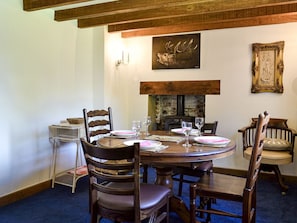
(180, 87)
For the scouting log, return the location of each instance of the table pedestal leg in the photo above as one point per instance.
(164, 177)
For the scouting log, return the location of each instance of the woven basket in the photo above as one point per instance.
(75, 120)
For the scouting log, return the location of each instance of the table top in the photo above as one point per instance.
(176, 152)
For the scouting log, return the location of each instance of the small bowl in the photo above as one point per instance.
(75, 120)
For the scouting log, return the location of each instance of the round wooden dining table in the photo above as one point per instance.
(172, 153)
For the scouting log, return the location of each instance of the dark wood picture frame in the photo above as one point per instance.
(176, 52)
(268, 67)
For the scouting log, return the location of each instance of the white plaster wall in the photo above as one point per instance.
(226, 55)
(46, 75)
(51, 70)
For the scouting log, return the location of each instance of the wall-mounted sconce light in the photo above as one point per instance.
(124, 60)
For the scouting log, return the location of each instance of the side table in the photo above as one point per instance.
(67, 133)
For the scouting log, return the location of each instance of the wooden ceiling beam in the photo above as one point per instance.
(126, 6)
(32, 5)
(179, 10)
(153, 17)
(113, 8)
(265, 20)
(208, 18)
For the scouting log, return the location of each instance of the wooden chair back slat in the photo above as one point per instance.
(98, 123)
(101, 112)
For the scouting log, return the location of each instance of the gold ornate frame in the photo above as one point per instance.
(268, 67)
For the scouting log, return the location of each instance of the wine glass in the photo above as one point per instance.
(187, 128)
(199, 122)
(147, 121)
(136, 126)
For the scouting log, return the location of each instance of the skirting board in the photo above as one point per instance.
(24, 193)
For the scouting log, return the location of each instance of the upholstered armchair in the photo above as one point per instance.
(278, 146)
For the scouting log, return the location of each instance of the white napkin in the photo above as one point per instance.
(157, 149)
(165, 138)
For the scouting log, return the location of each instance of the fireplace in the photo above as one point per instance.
(168, 110)
(173, 101)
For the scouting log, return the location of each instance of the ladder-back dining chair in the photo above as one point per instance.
(196, 169)
(122, 198)
(231, 188)
(278, 146)
(98, 123)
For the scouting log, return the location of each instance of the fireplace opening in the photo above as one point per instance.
(168, 111)
(172, 101)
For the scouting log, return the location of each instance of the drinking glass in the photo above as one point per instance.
(199, 122)
(136, 126)
(187, 128)
(147, 121)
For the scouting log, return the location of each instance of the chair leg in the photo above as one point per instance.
(94, 217)
(202, 204)
(193, 196)
(180, 185)
(254, 204)
(208, 218)
(145, 173)
(279, 177)
(90, 198)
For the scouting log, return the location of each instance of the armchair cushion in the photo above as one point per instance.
(276, 144)
(271, 157)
